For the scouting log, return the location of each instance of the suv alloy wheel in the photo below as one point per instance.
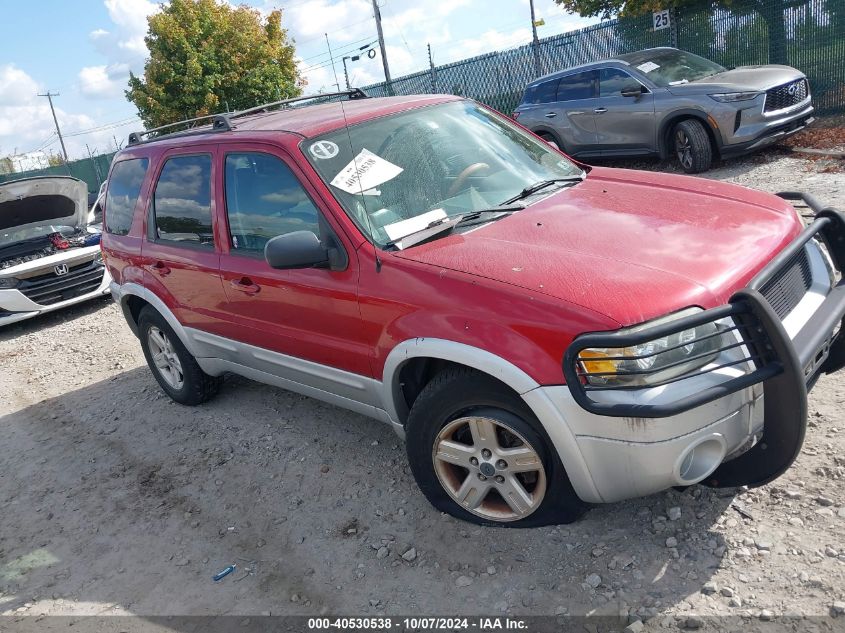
(173, 366)
(479, 454)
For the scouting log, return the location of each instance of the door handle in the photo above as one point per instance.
(161, 268)
(600, 110)
(245, 285)
(551, 115)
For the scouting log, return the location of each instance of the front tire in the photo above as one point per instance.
(692, 146)
(478, 453)
(173, 366)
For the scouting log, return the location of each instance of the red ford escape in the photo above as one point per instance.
(542, 333)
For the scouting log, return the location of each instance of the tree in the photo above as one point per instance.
(55, 160)
(770, 10)
(207, 56)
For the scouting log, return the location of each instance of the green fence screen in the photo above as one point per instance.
(92, 170)
(808, 35)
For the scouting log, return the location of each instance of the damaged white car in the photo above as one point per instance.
(49, 255)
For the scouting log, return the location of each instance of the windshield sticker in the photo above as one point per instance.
(398, 230)
(323, 150)
(648, 67)
(366, 171)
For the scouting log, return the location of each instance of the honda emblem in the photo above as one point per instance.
(61, 269)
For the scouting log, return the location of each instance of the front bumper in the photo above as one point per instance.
(15, 306)
(725, 433)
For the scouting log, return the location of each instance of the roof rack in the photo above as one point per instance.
(223, 122)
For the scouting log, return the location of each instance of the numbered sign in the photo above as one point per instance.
(661, 19)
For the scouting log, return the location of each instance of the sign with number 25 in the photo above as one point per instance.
(661, 19)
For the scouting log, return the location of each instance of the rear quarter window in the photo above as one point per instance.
(124, 187)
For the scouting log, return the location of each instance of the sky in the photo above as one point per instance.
(84, 50)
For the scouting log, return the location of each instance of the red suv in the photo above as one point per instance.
(542, 333)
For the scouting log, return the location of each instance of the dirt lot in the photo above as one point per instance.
(119, 501)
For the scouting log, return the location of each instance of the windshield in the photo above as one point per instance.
(405, 171)
(666, 67)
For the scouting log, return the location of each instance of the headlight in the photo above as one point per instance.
(731, 97)
(7, 283)
(656, 361)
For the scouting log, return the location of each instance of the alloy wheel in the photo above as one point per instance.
(683, 148)
(165, 358)
(489, 469)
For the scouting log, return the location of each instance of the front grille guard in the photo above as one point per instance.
(786, 368)
(767, 346)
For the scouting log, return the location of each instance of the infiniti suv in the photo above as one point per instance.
(666, 102)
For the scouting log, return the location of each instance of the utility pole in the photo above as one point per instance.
(535, 41)
(50, 96)
(377, 14)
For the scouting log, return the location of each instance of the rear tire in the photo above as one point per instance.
(471, 439)
(173, 366)
(692, 146)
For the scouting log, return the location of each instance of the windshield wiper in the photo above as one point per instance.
(434, 228)
(488, 215)
(537, 186)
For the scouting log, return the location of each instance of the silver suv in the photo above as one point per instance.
(663, 101)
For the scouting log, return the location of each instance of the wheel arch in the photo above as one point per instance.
(669, 123)
(438, 353)
(133, 298)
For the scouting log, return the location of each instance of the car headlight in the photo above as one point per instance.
(656, 361)
(7, 283)
(731, 97)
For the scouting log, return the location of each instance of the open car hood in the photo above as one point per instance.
(43, 202)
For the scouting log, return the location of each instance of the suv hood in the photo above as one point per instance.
(42, 202)
(743, 78)
(630, 245)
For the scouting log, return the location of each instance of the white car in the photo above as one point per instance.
(49, 255)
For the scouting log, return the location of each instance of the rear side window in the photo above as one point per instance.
(545, 92)
(182, 201)
(577, 86)
(123, 190)
(264, 199)
(612, 80)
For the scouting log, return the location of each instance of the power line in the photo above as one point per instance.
(104, 126)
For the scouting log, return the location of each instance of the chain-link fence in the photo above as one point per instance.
(808, 35)
(92, 170)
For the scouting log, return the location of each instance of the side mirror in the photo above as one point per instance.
(632, 90)
(300, 249)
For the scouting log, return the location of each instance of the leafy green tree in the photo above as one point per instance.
(207, 56)
(55, 160)
(770, 10)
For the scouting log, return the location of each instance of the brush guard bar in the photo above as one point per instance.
(787, 368)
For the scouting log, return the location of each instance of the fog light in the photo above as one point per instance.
(700, 459)
(7, 283)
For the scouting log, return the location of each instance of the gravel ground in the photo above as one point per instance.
(119, 501)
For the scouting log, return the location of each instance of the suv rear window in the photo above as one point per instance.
(182, 201)
(577, 86)
(123, 190)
